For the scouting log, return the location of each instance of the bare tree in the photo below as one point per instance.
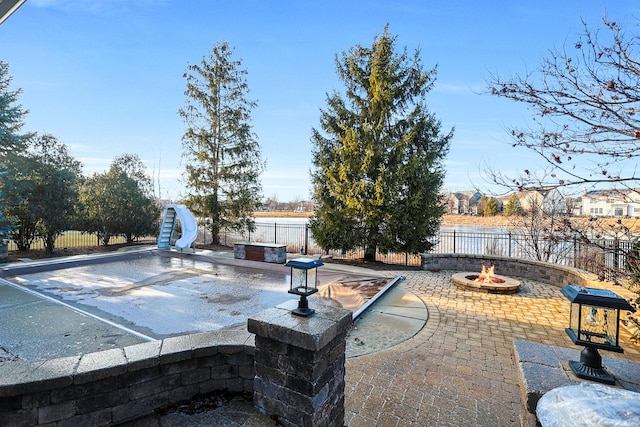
(586, 103)
(586, 128)
(546, 236)
(585, 99)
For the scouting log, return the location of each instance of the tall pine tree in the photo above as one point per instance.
(222, 155)
(12, 142)
(377, 160)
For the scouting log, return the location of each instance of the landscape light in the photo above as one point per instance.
(304, 282)
(594, 322)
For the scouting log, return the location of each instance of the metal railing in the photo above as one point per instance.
(78, 239)
(605, 257)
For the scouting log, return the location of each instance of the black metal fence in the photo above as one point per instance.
(605, 257)
(80, 239)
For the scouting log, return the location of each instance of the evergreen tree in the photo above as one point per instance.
(513, 207)
(55, 188)
(223, 162)
(377, 160)
(491, 207)
(139, 212)
(18, 192)
(11, 114)
(100, 213)
(11, 140)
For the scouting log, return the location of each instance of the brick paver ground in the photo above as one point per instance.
(458, 370)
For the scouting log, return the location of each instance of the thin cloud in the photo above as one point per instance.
(93, 5)
(458, 89)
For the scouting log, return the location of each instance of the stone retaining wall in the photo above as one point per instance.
(545, 272)
(118, 385)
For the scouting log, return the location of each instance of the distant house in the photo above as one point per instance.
(549, 199)
(612, 202)
(574, 206)
(462, 202)
(503, 201)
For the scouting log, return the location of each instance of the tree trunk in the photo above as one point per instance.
(370, 253)
(49, 243)
(215, 233)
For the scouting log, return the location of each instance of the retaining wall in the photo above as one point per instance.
(545, 272)
(118, 385)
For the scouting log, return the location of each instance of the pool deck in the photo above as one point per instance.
(457, 369)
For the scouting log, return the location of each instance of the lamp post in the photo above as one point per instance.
(594, 322)
(304, 282)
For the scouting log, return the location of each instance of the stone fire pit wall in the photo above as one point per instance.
(545, 272)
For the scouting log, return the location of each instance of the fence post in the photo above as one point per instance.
(306, 237)
(275, 232)
(454, 241)
(509, 244)
(575, 252)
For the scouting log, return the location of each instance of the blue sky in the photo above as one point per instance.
(105, 76)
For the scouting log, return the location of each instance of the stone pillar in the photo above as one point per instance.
(300, 364)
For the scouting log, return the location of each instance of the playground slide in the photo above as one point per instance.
(189, 227)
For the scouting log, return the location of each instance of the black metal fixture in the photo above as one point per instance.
(594, 323)
(304, 282)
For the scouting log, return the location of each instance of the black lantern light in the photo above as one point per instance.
(594, 323)
(304, 282)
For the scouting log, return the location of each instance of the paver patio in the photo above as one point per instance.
(458, 370)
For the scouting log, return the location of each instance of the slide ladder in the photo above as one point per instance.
(189, 227)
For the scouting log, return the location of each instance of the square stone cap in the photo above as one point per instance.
(310, 333)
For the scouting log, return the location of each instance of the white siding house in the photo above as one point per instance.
(616, 203)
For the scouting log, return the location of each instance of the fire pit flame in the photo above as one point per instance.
(486, 281)
(486, 275)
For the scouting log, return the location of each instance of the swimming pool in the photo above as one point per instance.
(151, 294)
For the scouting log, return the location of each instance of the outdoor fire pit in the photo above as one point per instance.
(486, 281)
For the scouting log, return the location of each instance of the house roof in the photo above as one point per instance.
(7, 7)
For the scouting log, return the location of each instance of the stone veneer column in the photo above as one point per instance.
(300, 364)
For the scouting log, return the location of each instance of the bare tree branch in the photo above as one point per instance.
(586, 111)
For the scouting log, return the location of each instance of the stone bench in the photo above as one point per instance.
(266, 252)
